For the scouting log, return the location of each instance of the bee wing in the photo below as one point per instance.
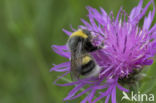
(76, 61)
(73, 72)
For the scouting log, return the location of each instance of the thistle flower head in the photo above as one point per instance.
(128, 47)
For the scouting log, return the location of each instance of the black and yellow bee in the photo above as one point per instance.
(82, 63)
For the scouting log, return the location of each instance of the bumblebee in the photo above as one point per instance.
(80, 46)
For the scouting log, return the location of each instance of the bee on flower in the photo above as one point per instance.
(107, 51)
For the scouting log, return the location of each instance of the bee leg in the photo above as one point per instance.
(101, 46)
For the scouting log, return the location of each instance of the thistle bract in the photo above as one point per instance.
(128, 47)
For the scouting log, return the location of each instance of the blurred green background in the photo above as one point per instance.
(28, 28)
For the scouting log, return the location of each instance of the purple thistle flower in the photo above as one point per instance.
(128, 47)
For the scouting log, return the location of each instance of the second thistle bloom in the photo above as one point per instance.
(128, 47)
